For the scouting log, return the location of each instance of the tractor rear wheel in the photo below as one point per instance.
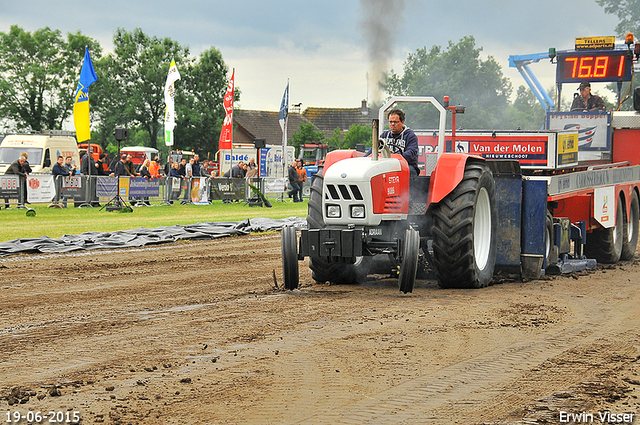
(323, 270)
(464, 231)
(631, 233)
(605, 245)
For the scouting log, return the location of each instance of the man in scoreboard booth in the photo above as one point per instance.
(585, 101)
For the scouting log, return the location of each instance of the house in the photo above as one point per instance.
(328, 119)
(250, 125)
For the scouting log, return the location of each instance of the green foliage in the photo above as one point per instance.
(459, 72)
(199, 103)
(38, 76)
(357, 134)
(135, 74)
(307, 134)
(336, 139)
(527, 113)
(629, 13)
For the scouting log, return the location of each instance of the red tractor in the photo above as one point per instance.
(520, 201)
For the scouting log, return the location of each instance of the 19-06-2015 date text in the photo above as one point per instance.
(48, 417)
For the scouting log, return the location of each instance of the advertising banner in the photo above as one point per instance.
(41, 188)
(142, 187)
(593, 131)
(227, 189)
(72, 187)
(9, 186)
(107, 187)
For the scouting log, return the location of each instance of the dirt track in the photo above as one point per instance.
(196, 333)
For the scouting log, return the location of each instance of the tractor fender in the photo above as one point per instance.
(338, 155)
(447, 174)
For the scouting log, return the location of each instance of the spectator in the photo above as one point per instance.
(302, 177)
(293, 181)
(120, 169)
(252, 163)
(144, 172)
(131, 167)
(168, 166)
(237, 171)
(204, 168)
(17, 167)
(89, 167)
(69, 165)
(59, 173)
(183, 166)
(196, 165)
(251, 172)
(101, 164)
(154, 168)
(175, 174)
(188, 175)
(27, 170)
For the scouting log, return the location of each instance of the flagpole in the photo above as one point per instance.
(284, 117)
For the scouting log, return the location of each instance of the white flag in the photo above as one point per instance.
(169, 110)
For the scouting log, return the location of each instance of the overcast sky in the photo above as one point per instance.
(322, 46)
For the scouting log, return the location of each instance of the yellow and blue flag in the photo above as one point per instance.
(81, 99)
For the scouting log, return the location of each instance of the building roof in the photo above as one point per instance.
(328, 119)
(250, 125)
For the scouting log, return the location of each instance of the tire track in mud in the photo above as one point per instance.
(460, 390)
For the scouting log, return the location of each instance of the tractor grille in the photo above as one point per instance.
(393, 204)
(343, 192)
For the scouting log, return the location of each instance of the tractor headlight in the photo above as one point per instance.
(357, 211)
(333, 211)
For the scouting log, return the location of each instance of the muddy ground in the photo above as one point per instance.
(197, 332)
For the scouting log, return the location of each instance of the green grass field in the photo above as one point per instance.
(51, 222)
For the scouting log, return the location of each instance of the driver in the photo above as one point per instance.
(586, 101)
(401, 139)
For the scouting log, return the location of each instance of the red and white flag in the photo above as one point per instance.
(226, 135)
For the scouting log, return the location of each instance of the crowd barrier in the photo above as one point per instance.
(83, 190)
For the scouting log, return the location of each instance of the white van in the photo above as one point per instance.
(43, 150)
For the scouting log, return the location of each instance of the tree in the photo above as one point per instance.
(357, 134)
(460, 73)
(629, 13)
(136, 72)
(199, 102)
(527, 113)
(39, 72)
(307, 134)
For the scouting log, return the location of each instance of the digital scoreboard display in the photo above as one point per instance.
(594, 66)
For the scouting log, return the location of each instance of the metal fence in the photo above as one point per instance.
(93, 191)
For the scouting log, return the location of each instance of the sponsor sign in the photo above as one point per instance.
(531, 151)
(592, 178)
(593, 131)
(222, 188)
(9, 186)
(604, 206)
(41, 188)
(567, 149)
(607, 42)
